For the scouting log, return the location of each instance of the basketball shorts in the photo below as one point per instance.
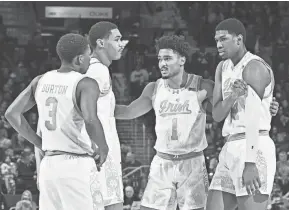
(111, 179)
(171, 183)
(228, 175)
(69, 182)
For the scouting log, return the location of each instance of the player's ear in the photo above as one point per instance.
(182, 60)
(239, 39)
(100, 43)
(78, 60)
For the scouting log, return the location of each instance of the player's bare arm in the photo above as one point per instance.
(39, 155)
(14, 114)
(257, 77)
(138, 107)
(87, 94)
(206, 94)
(221, 107)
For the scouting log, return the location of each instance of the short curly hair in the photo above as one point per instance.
(176, 43)
(100, 30)
(71, 45)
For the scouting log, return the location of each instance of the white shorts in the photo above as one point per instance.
(171, 183)
(110, 177)
(69, 182)
(228, 175)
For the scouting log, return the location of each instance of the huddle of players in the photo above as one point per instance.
(80, 166)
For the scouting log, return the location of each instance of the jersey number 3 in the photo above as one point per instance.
(51, 124)
(174, 129)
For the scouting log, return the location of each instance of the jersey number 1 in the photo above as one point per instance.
(174, 129)
(51, 124)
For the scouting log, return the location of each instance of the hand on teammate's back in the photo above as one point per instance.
(239, 88)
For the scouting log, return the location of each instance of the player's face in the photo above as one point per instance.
(84, 60)
(226, 44)
(170, 63)
(114, 45)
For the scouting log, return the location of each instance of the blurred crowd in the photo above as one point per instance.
(267, 36)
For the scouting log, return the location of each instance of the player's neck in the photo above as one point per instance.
(102, 57)
(178, 81)
(239, 56)
(64, 68)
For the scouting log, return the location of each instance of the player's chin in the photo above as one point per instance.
(118, 56)
(165, 76)
(223, 57)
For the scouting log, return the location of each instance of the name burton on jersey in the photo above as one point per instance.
(54, 89)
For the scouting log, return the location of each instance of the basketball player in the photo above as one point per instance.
(178, 174)
(105, 40)
(66, 102)
(243, 91)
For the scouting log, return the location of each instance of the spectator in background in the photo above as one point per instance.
(24, 205)
(136, 203)
(281, 49)
(154, 74)
(131, 161)
(124, 150)
(274, 133)
(33, 120)
(282, 172)
(138, 78)
(26, 170)
(27, 196)
(8, 171)
(19, 142)
(129, 197)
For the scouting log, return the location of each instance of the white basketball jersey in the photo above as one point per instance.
(106, 102)
(60, 120)
(180, 120)
(235, 121)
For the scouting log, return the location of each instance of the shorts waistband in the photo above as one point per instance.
(54, 153)
(179, 157)
(239, 136)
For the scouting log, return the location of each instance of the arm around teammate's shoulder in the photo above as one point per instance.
(138, 107)
(87, 94)
(221, 108)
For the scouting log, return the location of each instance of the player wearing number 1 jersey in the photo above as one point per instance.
(66, 102)
(178, 174)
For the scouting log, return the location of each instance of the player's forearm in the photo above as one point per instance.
(122, 112)
(252, 116)
(39, 155)
(222, 108)
(20, 124)
(95, 131)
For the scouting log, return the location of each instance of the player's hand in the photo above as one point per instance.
(274, 107)
(239, 88)
(251, 179)
(101, 157)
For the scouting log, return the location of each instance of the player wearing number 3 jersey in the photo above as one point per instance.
(178, 173)
(66, 102)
